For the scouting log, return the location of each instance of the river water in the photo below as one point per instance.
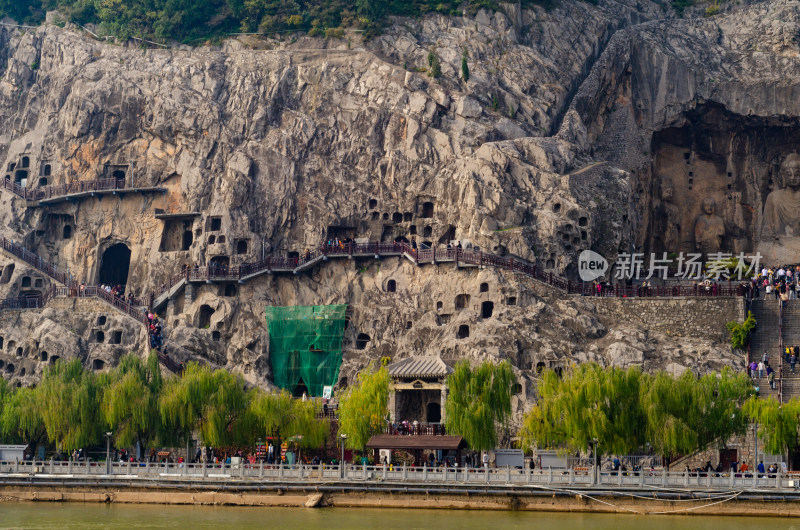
(75, 515)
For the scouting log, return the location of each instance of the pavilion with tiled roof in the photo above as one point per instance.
(419, 389)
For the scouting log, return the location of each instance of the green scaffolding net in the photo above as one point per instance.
(305, 345)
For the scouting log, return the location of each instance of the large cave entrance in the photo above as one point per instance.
(711, 175)
(114, 265)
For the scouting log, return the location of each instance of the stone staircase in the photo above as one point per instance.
(766, 338)
(766, 335)
(791, 337)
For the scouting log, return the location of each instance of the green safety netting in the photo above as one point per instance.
(305, 343)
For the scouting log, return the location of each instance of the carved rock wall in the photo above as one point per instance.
(266, 147)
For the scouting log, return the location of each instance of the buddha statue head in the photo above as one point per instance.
(709, 206)
(790, 171)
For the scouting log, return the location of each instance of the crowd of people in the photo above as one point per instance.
(154, 330)
(115, 290)
(783, 283)
(738, 469)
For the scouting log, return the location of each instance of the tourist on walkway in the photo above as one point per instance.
(793, 360)
(760, 370)
(753, 367)
(771, 377)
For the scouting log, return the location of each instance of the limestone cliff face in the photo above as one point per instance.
(710, 106)
(269, 147)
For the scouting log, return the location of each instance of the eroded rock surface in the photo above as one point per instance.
(564, 138)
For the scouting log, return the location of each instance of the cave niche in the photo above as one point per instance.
(711, 154)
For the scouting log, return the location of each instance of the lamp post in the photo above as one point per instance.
(108, 452)
(341, 462)
(755, 439)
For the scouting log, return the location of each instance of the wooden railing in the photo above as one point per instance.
(445, 254)
(60, 190)
(169, 364)
(129, 307)
(34, 260)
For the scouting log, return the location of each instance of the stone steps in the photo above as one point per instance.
(765, 337)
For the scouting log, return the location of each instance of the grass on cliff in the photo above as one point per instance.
(191, 21)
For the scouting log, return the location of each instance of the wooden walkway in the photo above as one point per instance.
(462, 258)
(74, 191)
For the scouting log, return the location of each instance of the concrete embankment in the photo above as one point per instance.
(408, 496)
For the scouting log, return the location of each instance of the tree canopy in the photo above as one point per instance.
(130, 400)
(68, 399)
(777, 423)
(364, 407)
(192, 21)
(20, 418)
(207, 401)
(627, 410)
(479, 400)
(280, 413)
(72, 407)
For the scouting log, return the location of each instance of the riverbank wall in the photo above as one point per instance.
(415, 496)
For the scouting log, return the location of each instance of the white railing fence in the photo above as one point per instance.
(361, 473)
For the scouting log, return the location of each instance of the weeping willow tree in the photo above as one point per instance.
(130, 400)
(5, 390)
(777, 423)
(589, 403)
(479, 401)
(68, 399)
(668, 404)
(210, 402)
(625, 410)
(718, 400)
(279, 413)
(364, 407)
(20, 418)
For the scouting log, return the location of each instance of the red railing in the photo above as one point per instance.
(27, 301)
(458, 255)
(34, 260)
(128, 307)
(59, 190)
(780, 349)
(169, 364)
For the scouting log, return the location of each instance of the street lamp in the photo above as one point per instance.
(108, 452)
(341, 462)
